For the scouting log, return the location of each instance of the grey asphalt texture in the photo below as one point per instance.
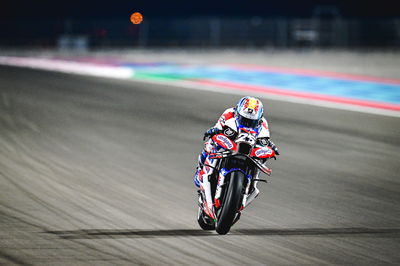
(99, 172)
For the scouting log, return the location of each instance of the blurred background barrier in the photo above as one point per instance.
(314, 32)
(71, 42)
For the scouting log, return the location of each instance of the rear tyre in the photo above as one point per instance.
(202, 223)
(232, 201)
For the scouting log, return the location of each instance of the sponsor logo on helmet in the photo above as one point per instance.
(251, 103)
(225, 141)
(263, 152)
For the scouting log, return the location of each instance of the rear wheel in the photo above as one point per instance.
(231, 203)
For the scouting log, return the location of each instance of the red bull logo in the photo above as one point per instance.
(251, 103)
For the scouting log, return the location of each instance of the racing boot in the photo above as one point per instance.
(252, 195)
(201, 159)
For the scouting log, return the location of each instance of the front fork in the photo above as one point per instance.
(247, 197)
(205, 186)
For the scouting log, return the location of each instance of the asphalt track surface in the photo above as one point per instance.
(99, 172)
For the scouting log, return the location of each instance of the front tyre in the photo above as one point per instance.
(232, 201)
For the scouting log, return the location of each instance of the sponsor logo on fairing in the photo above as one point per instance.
(223, 171)
(263, 141)
(263, 152)
(226, 141)
(229, 132)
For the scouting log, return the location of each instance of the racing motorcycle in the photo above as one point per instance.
(239, 161)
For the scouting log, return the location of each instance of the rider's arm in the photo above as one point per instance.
(264, 137)
(227, 114)
(264, 132)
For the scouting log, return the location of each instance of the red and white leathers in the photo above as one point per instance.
(205, 168)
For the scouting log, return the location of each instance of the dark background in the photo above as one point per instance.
(45, 9)
(102, 24)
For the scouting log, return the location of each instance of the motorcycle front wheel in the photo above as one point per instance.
(231, 203)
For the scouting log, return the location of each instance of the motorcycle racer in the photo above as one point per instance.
(248, 114)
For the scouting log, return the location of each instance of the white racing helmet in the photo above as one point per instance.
(249, 112)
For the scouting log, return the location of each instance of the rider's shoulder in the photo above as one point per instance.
(230, 110)
(264, 123)
(263, 129)
(228, 113)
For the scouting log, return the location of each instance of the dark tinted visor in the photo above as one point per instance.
(247, 122)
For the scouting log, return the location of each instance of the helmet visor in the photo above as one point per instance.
(247, 122)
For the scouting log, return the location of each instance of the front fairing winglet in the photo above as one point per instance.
(225, 154)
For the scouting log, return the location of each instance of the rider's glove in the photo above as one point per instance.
(211, 132)
(273, 146)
